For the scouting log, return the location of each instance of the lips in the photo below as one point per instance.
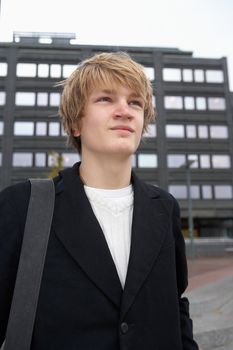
(122, 127)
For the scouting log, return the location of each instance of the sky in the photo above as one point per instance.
(204, 27)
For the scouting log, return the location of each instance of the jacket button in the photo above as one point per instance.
(124, 327)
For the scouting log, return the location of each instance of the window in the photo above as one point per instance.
(22, 159)
(42, 99)
(193, 158)
(198, 75)
(54, 99)
(205, 161)
(218, 132)
(69, 159)
(195, 191)
(2, 98)
(153, 101)
(147, 161)
(191, 131)
(23, 128)
(54, 129)
(178, 191)
(171, 74)
(150, 73)
(202, 131)
(0, 158)
(223, 191)
(40, 159)
(27, 70)
(3, 69)
(41, 129)
(43, 70)
(207, 192)
(189, 102)
(25, 98)
(173, 102)
(200, 103)
(151, 131)
(187, 75)
(1, 127)
(68, 69)
(55, 71)
(214, 76)
(221, 161)
(216, 103)
(173, 130)
(175, 160)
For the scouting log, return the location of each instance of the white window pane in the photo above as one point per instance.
(68, 70)
(214, 76)
(202, 131)
(223, 191)
(54, 99)
(26, 70)
(2, 98)
(176, 160)
(171, 74)
(207, 192)
(173, 130)
(68, 159)
(194, 159)
(43, 70)
(189, 102)
(45, 40)
(198, 75)
(191, 131)
(54, 129)
(1, 127)
(42, 99)
(221, 161)
(0, 158)
(187, 75)
(178, 191)
(153, 101)
(150, 73)
(205, 161)
(195, 191)
(22, 159)
(218, 132)
(3, 69)
(55, 71)
(24, 128)
(151, 131)
(41, 129)
(25, 98)
(216, 103)
(173, 102)
(40, 159)
(147, 160)
(201, 103)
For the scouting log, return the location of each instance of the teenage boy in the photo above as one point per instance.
(115, 268)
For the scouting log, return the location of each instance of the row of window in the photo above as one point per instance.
(41, 99)
(203, 161)
(202, 191)
(193, 75)
(199, 103)
(45, 70)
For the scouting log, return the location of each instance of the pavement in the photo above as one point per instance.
(210, 293)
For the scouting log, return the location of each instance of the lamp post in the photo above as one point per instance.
(187, 166)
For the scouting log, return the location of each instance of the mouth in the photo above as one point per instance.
(123, 128)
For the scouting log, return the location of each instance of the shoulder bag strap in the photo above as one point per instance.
(33, 252)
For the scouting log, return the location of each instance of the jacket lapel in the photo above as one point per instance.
(149, 228)
(79, 231)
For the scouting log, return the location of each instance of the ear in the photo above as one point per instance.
(76, 132)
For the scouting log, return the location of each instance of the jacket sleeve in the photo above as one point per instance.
(182, 283)
(13, 209)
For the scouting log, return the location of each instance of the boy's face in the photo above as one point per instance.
(112, 123)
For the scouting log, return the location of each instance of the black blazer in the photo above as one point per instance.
(81, 304)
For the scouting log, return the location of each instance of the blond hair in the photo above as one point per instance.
(107, 70)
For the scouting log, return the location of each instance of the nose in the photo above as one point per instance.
(122, 110)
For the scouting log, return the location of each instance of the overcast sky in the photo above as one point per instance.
(202, 26)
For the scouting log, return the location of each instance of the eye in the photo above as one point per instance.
(104, 99)
(137, 103)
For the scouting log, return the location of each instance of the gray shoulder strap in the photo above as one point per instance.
(33, 252)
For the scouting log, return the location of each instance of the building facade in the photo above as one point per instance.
(193, 132)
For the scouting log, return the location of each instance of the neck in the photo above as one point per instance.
(106, 174)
